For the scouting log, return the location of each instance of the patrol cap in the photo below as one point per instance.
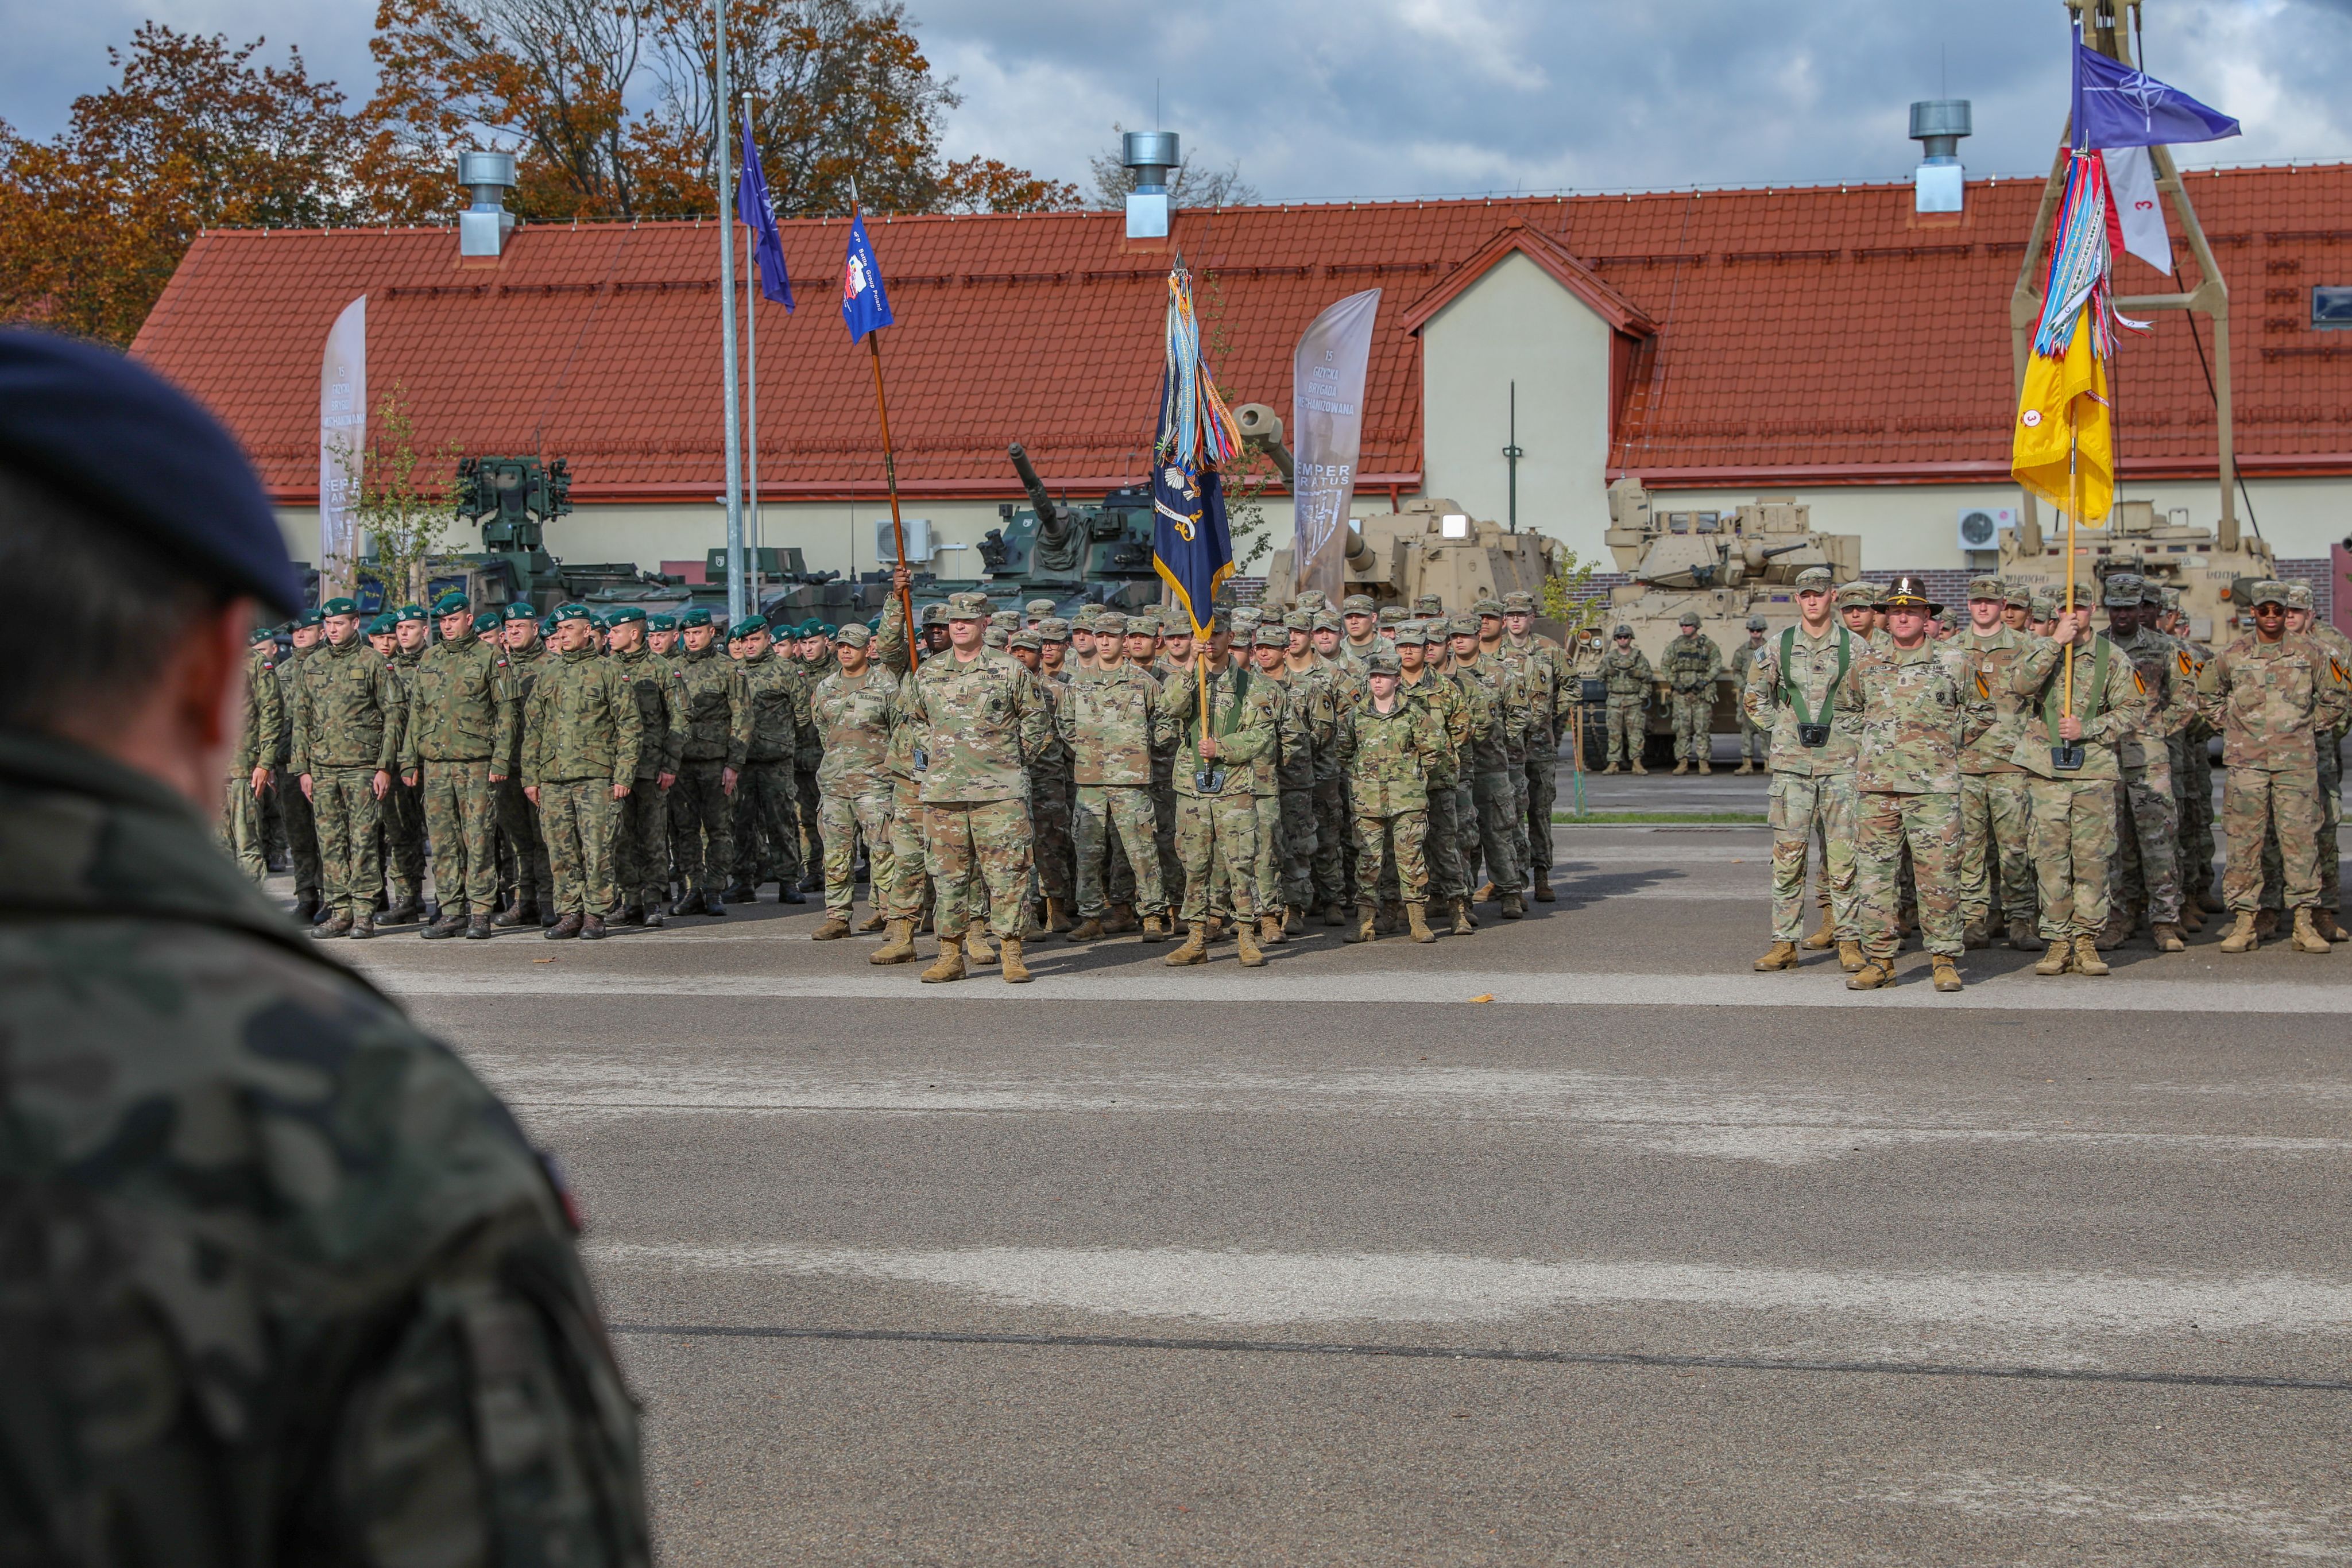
(1270, 637)
(1313, 599)
(856, 634)
(1384, 662)
(661, 622)
(1054, 628)
(1519, 604)
(994, 636)
(2152, 592)
(932, 615)
(1462, 626)
(2044, 606)
(1328, 621)
(1038, 607)
(693, 618)
(1084, 620)
(451, 603)
(489, 621)
(967, 607)
(1814, 580)
(564, 612)
(1429, 604)
(1857, 595)
(1391, 615)
(340, 607)
(1486, 607)
(1025, 638)
(1622, 630)
(2121, 591)
(1004, 619)
(624, 615)
(1299, 620)
(69, 413)
(1757, 623)
(1987, 588)
(1412, 633)
(2270, 591)
(2020, 596)
(2172, 599)
(1688, 620)
(2298, 596)
(1112, 623)
(1358, 604)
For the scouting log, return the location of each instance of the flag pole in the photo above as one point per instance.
(727, 318)
(891, 476)
(752, 388)
(2074, 506)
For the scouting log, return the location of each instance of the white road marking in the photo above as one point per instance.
(2248, 1520)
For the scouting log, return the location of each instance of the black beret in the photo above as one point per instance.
(103, 430)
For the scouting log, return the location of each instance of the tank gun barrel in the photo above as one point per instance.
(1261, 430)
(1054, 526)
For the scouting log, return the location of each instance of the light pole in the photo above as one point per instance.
(727, 333)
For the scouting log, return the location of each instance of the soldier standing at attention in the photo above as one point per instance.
(710, 709)
(1334, 860)
(1111, 717)
(293, 806)
(2272, 695)
(2074, 807)
(1049, 781)
(518, 668)
(1389, 743)
(641, 836)
(2147, 867)
(1216, 817)
(852, 708)
(1498, 751)
(1361, 620)
(2301, 622)
(346, 740)
(445, 755)
(1996, 812)
(256, 1216)
(1755, 742)
(1795, 690)
(1914, 700)
(980, 718)
(910, 891)
(1625, 669)
(256, 756)
(1692, 665)
(2192, 766)
(779, 690)
(1449, 881)
(1316, 719)
(583, 734)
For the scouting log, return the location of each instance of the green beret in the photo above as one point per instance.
(698, 616)
(489, 620)
(749, 626)
(451, 603)
(824, 629)
(408, 612)
(661, 622)
(309, 618)
(624, 615)
(521, 610)
(340, 607)
(381, 626)
(563, 613)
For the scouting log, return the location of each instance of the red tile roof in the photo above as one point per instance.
(1789, 335)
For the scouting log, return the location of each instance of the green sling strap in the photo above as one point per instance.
(1789, 692)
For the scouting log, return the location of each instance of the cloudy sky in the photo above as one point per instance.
(1329, 99)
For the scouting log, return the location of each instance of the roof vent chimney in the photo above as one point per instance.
(482, 228)
(1938, 124)
(1152, 154)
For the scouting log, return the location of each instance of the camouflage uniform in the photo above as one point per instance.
(1449, 878)
(979, 720)
(582, 737)
(807, 794)
(641, 836)
(1313, 730)
(1262, 779)
(2192, 779)
(452, 729)
(710, 709)
(256, 747)
(286, 1282)
(1996, 805)
(1547, 676)
(347, 724)
(534, 881)
(1495, 717)
(2330, 746)
(1050, 805)
(1334, 866)
(1754, 741)
(1692, 664)
(1912, 711)
(403, 807)
(1389, 757)
(909, 861)
(2271, 701)
(1626, 671)
(1801, 679)
(854, 716)
(1216, 830)
(1110, 716)
(2145, 879)
(2075, 814)
(767, 834)
(301, 824)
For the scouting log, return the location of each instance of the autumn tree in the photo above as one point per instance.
(194, 135)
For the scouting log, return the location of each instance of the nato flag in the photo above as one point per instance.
(2115, 106)
(759, 215)
(863, 306)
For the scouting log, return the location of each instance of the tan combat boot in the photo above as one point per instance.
(2193, 919)
(1947, 973)
(1705, 768)
(1091, 929)
(1122, 920)
(949, 965)
(1269, 931)
(1514, 906)
(1367, 915)
(898, 947)
(1246, 942)
(835, 928)
(2169, 939)
(1610, 769)
(978, 948)
(2243, 937)
(1057, 915)
(1822, 940)
(874, 921)
(1745, 768)
(2307, 938)
(1543, 886)
(1195, 950)
(1870, 976)
(1485, 894)
(1682, 766)
(1156, 927)
(1779, 956)
(1639, 769)
(2057, 959)
(2086, 956)
(1849, 957)
(1416, 916)
(1462, 924)
(1016, 973)
(2021, 937)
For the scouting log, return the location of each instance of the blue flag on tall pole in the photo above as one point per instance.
(759, 215)
(2115, 106)
(864, 305)
(1192, 545)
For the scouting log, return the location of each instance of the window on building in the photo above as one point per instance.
(2331, 307)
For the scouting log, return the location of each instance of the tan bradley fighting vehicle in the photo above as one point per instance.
(2203, 563)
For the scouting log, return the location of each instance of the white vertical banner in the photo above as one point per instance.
(1327, 436)
(2131, 178)
(343, 433)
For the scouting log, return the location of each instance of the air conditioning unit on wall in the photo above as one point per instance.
(1981, 527)
(919, 547)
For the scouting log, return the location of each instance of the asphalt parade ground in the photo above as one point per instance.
(1573, 1240)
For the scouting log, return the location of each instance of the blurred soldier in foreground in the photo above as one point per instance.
(333, 1314)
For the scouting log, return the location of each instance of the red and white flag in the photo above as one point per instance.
(2131, 182)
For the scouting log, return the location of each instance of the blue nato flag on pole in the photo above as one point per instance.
(864, 305)
(2115, 106)
(759, 215)
(1191, 546)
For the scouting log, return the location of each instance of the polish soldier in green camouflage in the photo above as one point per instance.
(2069, 747)
(403, 806)
(347, 724)
(981, 716)
(1755, 742)
(1389, 743)
(1216, 816)
(308, 637)
(1691, 665)
(285, 1282)
(2146, 881)
(582, 736)
(1111, 711)
(1798, 690)
(256, 757)
(1915, 702)
(641, 835)
(853, 708)
(1996, 808)
(446, 749)
(768, 835)
(2272, 695)
(710, 711)
(519, 666)
(1626, 682)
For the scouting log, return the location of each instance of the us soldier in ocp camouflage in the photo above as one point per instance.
(2146, 874)
(1754, 743)
(1996, 808)
(332, 1313)
(1111, 714)
(853, 708)
(2303, 622)
(1626, 675)
(1548, 674)
(1797, 687)
(1216, 817)
(1692, 665)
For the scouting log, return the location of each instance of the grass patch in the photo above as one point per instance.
(1605, 819)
